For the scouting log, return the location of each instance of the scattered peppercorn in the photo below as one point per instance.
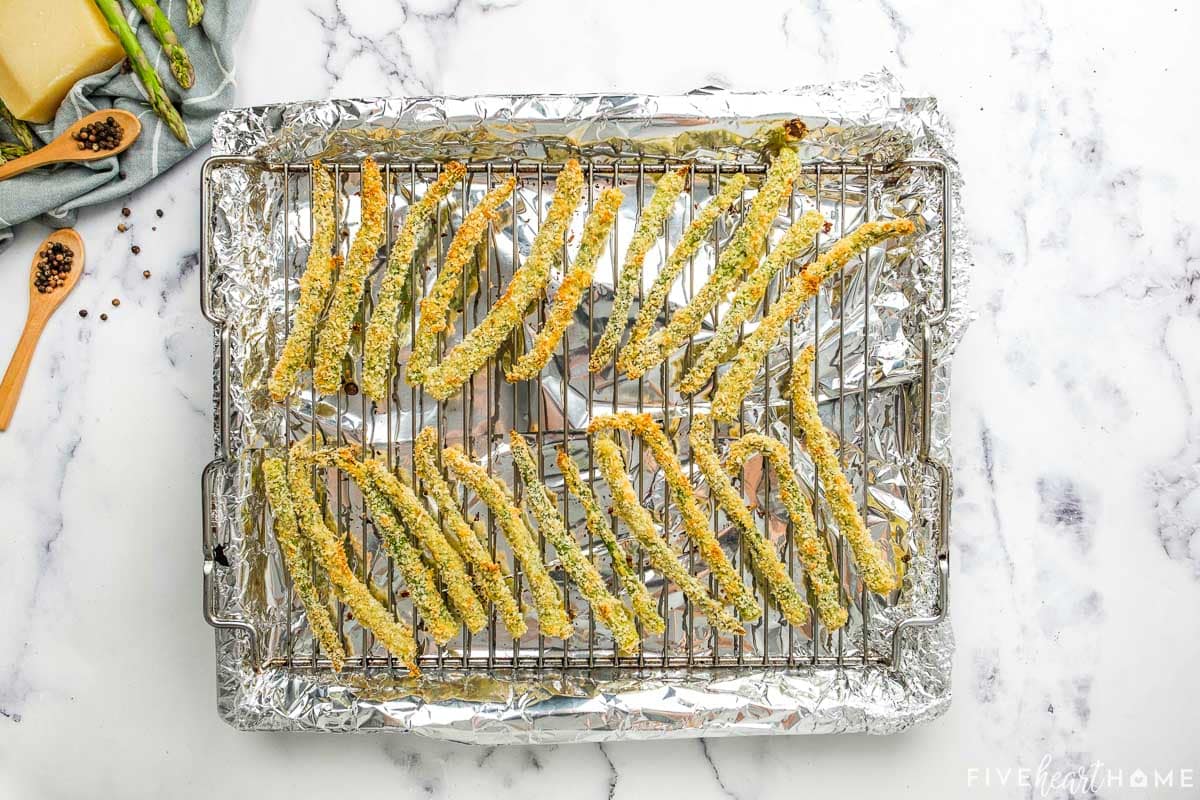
(135, 249)
(103, 135)
(116, 301)
(53, 265)
(83, 312)
(350, 388)
(159, 212)
(104, 316)
(125, 212)
(122, 227)
(145, 273)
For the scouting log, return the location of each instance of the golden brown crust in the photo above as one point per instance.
(695, 522)
(351, 283)
(870, 556)
(435, 307)
(489, 574)
(552, 617)
(766, 562)
(736, 383)
(297, 554)
(570, 292)
(661, 555)
(315, 284)
(643, 602)
(688, 246)
(457, 366)
(608, 609)
(381, 330)
(810, 546)
(740, 256)
(392, 633)
(649, 229)
(798, 238)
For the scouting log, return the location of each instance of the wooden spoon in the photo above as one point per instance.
(65, 148)
(41, 306)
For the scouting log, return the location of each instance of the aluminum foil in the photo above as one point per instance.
(690, 681)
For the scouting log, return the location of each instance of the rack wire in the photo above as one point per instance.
(682, 646)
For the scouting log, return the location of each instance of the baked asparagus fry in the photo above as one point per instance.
(527, 283)
(20, 128)
(10, 150)
(315, 284)
(766, 561)
(351, 283)
(195, 12)
(695, 521)
(181, 65)
(648, 231)
(644, 605)
(798, 238)
(156, 95)
(381, 330)
(871, 557)
(394, 634)
(422, 585)
(570, 292)
(488, 574)
(814, 555)
(548, 600)
(435, 307)
(695, 235)
(661, 555)
(609, 610)
(297, 554)
(736, 383)
(739, 257)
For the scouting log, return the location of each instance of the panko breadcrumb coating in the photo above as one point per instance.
(695, 235)
(351, 283)
(661, 555)
(424, 530)
(695, 521)
(739, 257)
(814, 555)
(766, 562)
(570, 292)
(552, 617)
(609, 610)
(435, 306)
(296, 556)
(870, 556)
(315, 284)
(736, 383)
(643, 602)
(381, 330)
(419, 578)
(798, 238)
(457, 366)
(394, 634)
(489, 575)
(648, 231)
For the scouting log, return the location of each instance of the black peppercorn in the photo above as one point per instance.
(125, 212)
(135, 249)
(83, 312)
(104, 316)
(116, 301)
(159, 212)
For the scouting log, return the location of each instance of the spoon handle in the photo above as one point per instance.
(14, 377)
(38, 158)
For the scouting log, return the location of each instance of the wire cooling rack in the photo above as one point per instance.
(843, 191)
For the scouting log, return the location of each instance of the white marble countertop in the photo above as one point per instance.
(1076, 596)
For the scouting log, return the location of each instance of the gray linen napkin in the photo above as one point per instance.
(55, 193)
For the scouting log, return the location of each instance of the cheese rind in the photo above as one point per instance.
(45, 47)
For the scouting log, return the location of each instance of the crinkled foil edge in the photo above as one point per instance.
(544, 707)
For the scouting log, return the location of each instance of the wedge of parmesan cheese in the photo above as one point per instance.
(45, 47)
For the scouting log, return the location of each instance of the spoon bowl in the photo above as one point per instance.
(41, 306)
(64, 148)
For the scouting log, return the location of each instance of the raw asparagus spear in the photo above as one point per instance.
(19, 128)
(181, 65)
(155, 93)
